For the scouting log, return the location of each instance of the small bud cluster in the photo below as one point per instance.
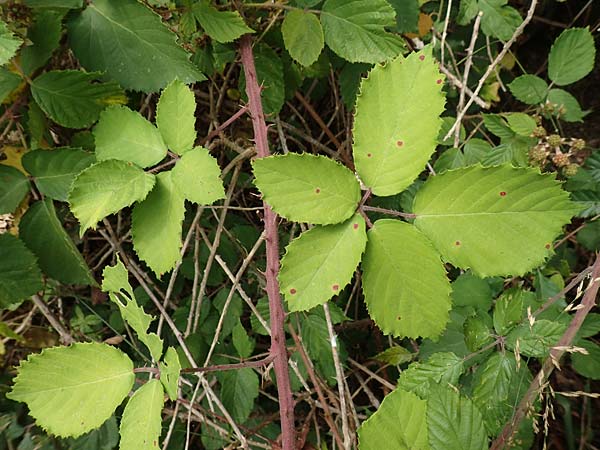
(6, 222)
(554, 109)
(16, 14)
(556, 149)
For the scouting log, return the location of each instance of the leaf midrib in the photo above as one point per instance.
(472, 214)
(74, 386)
(128, 30)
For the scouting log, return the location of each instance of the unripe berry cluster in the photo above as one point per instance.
(557, 149)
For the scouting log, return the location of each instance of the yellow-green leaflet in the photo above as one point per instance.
(307, 188)
(105, 188)
(320, 263)
(115, 282)
(404, 281)
(397, 121)
(84, 382)
(141, 422)
(495, 220)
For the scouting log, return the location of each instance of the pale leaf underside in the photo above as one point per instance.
(156, 225)
(397, 121)
(141, 423)
(495, 220)
(126, 135)
(106, 188)
(404, 281)
(319, 263)
(307, 188)
(175, 117)
(72, 390)
(115, 282)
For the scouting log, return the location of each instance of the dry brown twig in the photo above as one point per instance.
(492, 66)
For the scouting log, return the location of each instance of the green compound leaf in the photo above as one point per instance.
(454, 422)
(175, 117)
(407, 15)
(104, 438)
(441, 368)
(169, 372)
(467, 11)
(499, 20)
(9, 81)
(239, 389)
(307, 188)
(54, 3)
(391, 147)
(537, 339)
(303, 36)
(566, 107)
(156, 225)
(395, 356)
(587, 365)
(84, 382)
(197, 177)
(399, 423)
(318, 344)
(478, 332)
(520, 123)
(529, 89)
(106, 188)
(355, 30)
(493, 378)
(508, 310)
(45, 34)
(72, 99)
(320, 263)
(141, 422)
(9, 43)
(404, 281)
(498, 385)
(591, 324)
(20, 276)
(14, 186)
(54, 170)
(495, 220)
(115, 282)
(125, 135)
(130, 43)
(243, 344)
(222, 26)
(469, 290)
(572, 56)
(262, 306)
(58, 257)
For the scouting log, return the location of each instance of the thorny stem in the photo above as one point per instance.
(538, 383)
(278, 348)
